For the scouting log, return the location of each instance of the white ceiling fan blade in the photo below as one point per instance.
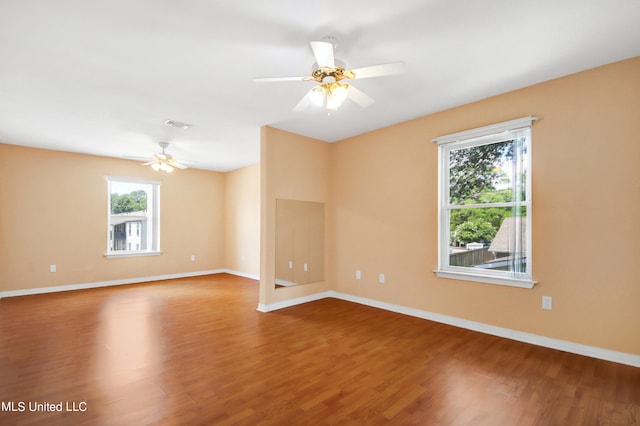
(148, 163)
(304, 103)
(392, 68)
(270, 79)
(323, 52)
(177, 164)
(360, 97)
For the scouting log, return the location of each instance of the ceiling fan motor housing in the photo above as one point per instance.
(338, 73)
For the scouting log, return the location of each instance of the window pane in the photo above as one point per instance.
(488, 173)
(484, 200)
(491, 238)
(130, 219)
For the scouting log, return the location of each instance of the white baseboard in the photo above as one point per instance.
(241, 274)
(534, 339)
(83, 286)
(292, 302)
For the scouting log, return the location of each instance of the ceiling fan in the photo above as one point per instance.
(330, 73)
(163, 161)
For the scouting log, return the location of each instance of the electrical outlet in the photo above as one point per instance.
(52, 268)
(381, 278)
(547, 303)
(358, 275)
(193, 257)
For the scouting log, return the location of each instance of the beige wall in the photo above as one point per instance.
(242, 220)
(54, 211)
(293, 167)
(586, 198)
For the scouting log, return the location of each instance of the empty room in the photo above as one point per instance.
(329, 213)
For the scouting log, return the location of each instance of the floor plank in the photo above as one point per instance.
(196, 351)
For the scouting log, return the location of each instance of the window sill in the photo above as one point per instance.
(115, 255)
(510, 282)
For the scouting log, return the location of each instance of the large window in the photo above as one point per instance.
(134, 217)
(485, 204)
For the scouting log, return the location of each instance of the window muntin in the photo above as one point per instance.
(133, 217)
(485, 205)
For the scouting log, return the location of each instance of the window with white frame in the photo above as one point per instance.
(484, 214)
(133, 217)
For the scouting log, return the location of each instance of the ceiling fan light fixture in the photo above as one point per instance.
(332, 103)
(162, 166)
(339, 91)
(317, 95)
(336, 94)
(164, 162)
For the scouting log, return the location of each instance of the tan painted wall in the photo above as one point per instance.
(586, 199)
(54, 211)
(242, 220)
(293, 167)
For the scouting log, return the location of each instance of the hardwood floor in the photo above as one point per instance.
(195, 351)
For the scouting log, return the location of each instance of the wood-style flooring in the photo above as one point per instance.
(196, 352)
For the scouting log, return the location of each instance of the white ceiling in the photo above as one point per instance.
(101, 77)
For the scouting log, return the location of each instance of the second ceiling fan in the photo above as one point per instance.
(163, 161)
(332, 90)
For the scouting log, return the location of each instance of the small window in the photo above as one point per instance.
(133, 202)
(485, 204)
